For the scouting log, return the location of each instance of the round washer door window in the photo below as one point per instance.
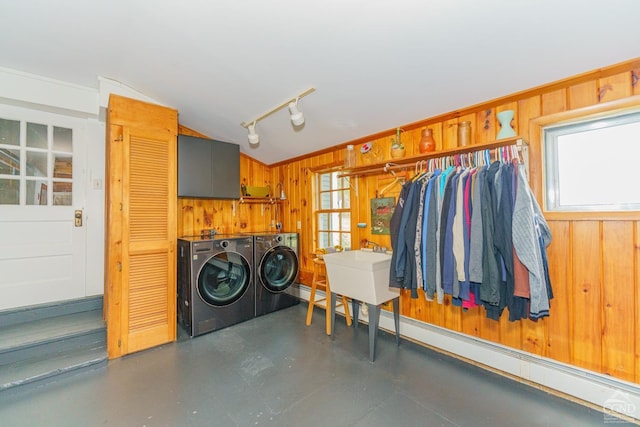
(278, 268)
(224, 279)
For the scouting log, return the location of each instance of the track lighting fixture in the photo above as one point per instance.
(297, 118)
(254, 138)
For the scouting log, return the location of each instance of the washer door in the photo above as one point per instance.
(278, 268)
(224, 279)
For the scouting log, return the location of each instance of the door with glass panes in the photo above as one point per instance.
(42, 230)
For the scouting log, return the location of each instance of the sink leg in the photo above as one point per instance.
(332, 313)
(355, 309)
(396, 318)
(374, 319)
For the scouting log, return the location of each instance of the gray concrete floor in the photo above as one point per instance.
(275, 371)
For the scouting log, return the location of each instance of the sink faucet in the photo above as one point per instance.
(376, 247)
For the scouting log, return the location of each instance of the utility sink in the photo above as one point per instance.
(361, 275)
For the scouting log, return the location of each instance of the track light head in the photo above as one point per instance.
(254, 138)
(296, 115)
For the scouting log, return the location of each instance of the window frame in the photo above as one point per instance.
(340, 211)
(551, 153)
(536, 156)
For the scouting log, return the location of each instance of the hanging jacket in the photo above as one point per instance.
(395, 233)
(531, 235)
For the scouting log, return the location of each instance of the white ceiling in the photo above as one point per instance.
(375, 64)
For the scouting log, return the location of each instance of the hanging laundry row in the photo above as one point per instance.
(475, 232)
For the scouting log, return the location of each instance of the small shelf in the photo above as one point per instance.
(404, 162)
(263, 200)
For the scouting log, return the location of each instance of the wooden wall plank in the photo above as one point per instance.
(615, 87)
(485, 125)
(554, 102)
(471, 321)
(511, 333)
(586, 317)
(449, 135)
(619, 334)
(558, 324)
(583, 94)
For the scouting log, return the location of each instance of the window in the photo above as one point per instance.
(36, 163)
(333, 216)
(586, 167)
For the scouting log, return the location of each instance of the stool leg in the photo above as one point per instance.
(345, 304)
(328, 315)
(331, 311)
(312, 299)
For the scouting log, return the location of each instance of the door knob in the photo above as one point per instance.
(78, 218)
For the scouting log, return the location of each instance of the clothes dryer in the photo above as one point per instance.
(215, 282)
(276, 272)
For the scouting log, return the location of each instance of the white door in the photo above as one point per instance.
(42, 186)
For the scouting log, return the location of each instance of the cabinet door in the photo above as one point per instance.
(226, 170)
(195, 167)
(141, 282)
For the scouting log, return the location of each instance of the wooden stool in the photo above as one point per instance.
(320, 278)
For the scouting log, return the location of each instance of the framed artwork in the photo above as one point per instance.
(381, 211)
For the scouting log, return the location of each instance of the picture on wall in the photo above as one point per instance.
(381, 211)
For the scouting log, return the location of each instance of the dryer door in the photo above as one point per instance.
(224, 279)
(278, 268)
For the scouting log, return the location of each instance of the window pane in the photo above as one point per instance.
(325, 182)
(9, 191)
(323, 221)
(62, 139)
(345, 239)
(62, 166)
(334, 239)
(335, 221)
(345, 221)
(9, 161)
(62, 193)
(36, 163)
(336, 200)
(37, 136)
(346, 204)
(325, 201)
(9, 132)
(323, 240)
(33, 192)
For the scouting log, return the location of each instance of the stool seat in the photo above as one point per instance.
(320, 278)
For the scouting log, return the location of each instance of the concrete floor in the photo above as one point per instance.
(275, 371)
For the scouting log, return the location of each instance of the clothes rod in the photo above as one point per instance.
(409, 162)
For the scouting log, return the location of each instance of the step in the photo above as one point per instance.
(48, 368)
(44, 311)
(51, 335)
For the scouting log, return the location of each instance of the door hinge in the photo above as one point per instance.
(120, 207)
(119, 265)
(119, 342)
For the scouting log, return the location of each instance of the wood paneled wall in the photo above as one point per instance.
(594, 262)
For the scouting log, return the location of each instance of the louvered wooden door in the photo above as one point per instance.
(140, 293)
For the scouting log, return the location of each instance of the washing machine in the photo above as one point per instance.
(276, 271)
(215, 282)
